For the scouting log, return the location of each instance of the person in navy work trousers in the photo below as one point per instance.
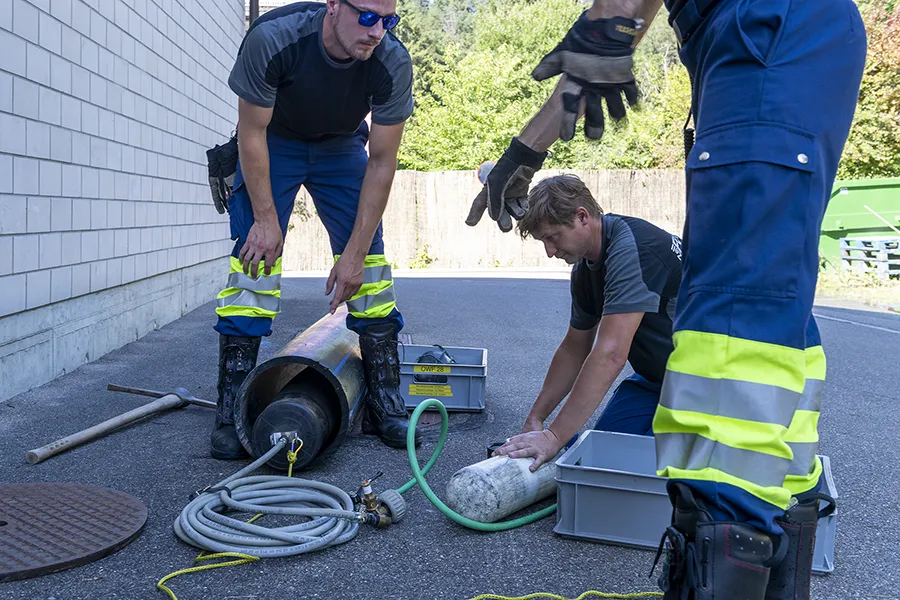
(775, 86)
(307, 75)
(625, 278)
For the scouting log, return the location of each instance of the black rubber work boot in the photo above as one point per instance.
(789, 579)
(237, 357)
(712, 560)
(385, 410)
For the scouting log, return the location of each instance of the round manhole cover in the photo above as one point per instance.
(48, 527)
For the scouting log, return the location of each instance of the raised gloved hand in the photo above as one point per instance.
(505, 193)
(596, 57)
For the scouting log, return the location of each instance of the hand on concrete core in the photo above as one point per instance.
(541, 445)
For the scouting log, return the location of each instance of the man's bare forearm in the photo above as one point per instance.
(597, 375)
(373, 198)
(254, 153)
(543, 129)
(631, 9)
(564, 368)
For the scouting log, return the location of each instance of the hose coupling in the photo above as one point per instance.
(287, 436)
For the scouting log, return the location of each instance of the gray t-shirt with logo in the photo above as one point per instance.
(639, 271)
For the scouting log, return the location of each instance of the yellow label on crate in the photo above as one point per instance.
(431, 369)
(430, 390)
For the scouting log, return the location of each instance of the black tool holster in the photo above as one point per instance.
(789, 579)
(711, 560)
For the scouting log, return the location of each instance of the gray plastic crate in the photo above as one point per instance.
(607, 490)
(826, 530)
(460, 385)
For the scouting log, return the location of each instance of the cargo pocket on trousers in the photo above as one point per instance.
(749, 209)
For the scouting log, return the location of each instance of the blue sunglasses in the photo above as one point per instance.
(367, 18)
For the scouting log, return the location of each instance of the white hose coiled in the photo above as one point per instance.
(328, 510)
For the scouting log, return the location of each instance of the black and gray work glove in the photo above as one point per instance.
(596, 57)
(222, 162)
(505, 192)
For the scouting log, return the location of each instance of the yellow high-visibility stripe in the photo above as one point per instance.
(372, 289)
(737, 433)
(245, 311)
(236, 266)
(803, 434)
(375, 298)
(256, 294)
(376, 312)
(718, 356)
(797, 484)
(778, 496)
(815, 363)
(373, 307)
(804, 427)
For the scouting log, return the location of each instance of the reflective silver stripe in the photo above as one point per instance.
(804, 455)
(364, 303)
(813, 391)
(262, 284)
(376, 274)
(248, 298)
(729, 398)
(805, 452)
(695, 452)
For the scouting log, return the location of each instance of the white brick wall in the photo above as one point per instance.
(106, 110)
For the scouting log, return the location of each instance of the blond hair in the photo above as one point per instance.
(554, 201)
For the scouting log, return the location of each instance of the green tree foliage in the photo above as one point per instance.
(873, 148)
(427, 29)
(481, 93)
(474, 91)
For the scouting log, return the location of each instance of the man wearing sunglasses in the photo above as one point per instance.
(307, 75)
(775, 85)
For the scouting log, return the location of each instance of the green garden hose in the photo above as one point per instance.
(419, 476)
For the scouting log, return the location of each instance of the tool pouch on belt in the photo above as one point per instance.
(222, 161)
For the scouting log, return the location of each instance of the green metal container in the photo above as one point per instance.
(854, 211)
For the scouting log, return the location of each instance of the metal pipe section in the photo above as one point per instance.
(254, 10)
(314, 386)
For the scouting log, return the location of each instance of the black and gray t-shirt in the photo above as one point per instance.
(639, 271)
(283, 64)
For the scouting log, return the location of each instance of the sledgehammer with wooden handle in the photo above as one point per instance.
(166, 402)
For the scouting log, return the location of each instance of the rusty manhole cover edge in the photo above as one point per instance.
(31, 491)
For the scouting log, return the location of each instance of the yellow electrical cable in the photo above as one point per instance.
(243, 559)
(292, 455)
(587, 594)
